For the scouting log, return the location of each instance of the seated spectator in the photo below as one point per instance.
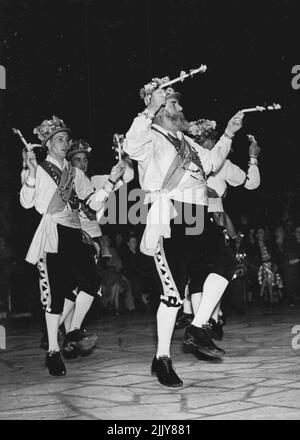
(279, 250)
(292, 267)
(132, 270)
(244, 281)
(268, 277)
(5, 273)
(120, 245)
(115, 289)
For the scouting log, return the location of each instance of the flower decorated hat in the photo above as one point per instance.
(148, 89)
(78, 146)
(49, 128)
(203, 129)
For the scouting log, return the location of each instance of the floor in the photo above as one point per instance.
(258, 378)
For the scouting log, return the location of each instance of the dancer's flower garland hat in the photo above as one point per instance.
(203, 129)
(49, 128)
(148, 89)
(78, 146)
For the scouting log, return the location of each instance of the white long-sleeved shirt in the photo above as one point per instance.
(233, 175)
(44, 187)
(154, 154)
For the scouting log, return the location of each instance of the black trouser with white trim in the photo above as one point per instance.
(185, 257)
(72, 266)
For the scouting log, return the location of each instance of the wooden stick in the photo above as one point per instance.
(201, 69)
(16, 131)
(28, 146)
(260, 108)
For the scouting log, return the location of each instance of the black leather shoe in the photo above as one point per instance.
(55, 364)
(215, 329)
(163, 369)
(70, 350)
(184, 320)
(82, 341)
(198, 341)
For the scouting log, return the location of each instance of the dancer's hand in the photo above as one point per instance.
(254, 149)
(235, 123)
(158, 99)
(117, 171)
(30, 161)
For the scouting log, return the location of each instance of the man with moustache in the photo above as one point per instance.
(172, 170)
(54, 188)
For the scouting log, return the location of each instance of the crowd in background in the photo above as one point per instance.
(128, 281)
(267, 272)
(267, 267)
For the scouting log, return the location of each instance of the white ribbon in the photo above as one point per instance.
(46, 236)
(159, 216)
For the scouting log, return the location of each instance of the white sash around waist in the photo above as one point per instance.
(162, 212)
(46, 236)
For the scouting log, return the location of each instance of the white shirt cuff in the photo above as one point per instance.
(30, 180)
(253, 161)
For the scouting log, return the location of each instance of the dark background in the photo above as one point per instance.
(85, 61)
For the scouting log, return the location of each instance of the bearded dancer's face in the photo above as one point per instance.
(173, 112)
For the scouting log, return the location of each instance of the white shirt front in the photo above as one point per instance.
(44, 188)
(154, 154)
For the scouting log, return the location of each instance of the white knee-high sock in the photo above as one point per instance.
(52, 322)
(215, 313)
(68, 306)
(196, 301)
(187, 305)
(68, 321)
(82, 305)
(213, 289)
(166, 318)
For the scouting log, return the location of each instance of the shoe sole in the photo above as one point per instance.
(69, 356)
(58, 375)
(153, 373)
(84, 347)
(194, 349)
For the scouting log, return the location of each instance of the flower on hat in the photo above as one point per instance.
(49, 127)
(155, 83)
(202, 129)
(149, 88)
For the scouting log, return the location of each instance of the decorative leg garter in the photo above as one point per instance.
(171, 296)
(44, 283)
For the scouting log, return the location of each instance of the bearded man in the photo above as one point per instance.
(172, 170)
